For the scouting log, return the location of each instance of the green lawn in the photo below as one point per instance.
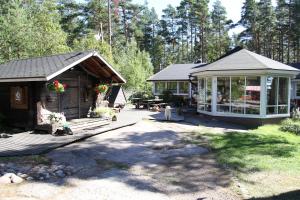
(266, 161)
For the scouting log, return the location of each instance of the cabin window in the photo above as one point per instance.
(159, 87)
(277, 93)
(183, 87)
(19, 97)
(172, 86)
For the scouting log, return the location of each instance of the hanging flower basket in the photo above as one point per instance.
(56, 86)
(101, 88)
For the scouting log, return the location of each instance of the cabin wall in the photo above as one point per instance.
(77, 98)
(18, 117)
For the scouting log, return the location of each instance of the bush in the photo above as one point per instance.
(142, 94)
(103, 112)
(290, 125)
(177, 101)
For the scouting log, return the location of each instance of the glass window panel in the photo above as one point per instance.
(271, 110)
(282, 109)
(159, 87)
(237, 94)
(223, 94)
(298, 89)
(183, 87)
(201, 91)
(172, 86)
(283, 91)
(208, 90)
(272, 89)
(252, 97)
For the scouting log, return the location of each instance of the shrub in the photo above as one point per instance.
(177, 101)
(290, 125)
(142, 95)
(103, 112)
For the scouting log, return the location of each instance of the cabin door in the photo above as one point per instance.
(70, 100)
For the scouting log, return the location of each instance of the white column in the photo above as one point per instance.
(263, 96)
(214, 95)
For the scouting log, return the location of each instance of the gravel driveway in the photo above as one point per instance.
(146, 161)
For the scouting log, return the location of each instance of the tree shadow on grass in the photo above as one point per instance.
(233, 148)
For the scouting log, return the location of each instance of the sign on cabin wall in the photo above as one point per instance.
(19, 97)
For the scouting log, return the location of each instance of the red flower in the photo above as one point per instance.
(65, 85)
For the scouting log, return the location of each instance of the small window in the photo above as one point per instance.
(183, 87)
(19, 97)
(159, 87)
(172, 86)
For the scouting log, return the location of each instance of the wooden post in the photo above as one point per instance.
(79, 106)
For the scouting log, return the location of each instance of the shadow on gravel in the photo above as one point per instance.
(170, 164)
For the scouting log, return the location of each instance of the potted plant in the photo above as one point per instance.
(57, 87)
(101, 88)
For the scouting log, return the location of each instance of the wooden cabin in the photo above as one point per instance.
(23, 83)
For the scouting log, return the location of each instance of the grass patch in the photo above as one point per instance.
(33, 160)
(266, 160)
(108, 164)
(265, 148)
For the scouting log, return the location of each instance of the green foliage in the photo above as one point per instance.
(177, 101)
(30, 29)
(142, 94)
(291, 125)
(89, 42)
(135, 66)
(103, 112)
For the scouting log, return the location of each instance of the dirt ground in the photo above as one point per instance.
(149, 160)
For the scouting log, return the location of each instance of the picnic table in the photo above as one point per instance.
(137, 102)
(153, 102)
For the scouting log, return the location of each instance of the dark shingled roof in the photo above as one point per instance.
(176, 72)
(44, 68)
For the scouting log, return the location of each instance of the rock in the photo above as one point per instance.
(5, 180)
(16, 179)
(4, 135)
(29, 178)
(11, 178)
(60, 173)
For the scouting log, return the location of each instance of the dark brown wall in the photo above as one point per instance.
(78, 82)
(17, 117)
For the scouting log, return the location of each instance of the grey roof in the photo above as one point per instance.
(44, 68)
(245, 60)
(176, 72)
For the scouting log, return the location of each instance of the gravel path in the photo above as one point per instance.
(146, 161)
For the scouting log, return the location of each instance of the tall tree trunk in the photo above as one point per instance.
(109, 23)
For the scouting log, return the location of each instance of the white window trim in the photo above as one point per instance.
(166, 86)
